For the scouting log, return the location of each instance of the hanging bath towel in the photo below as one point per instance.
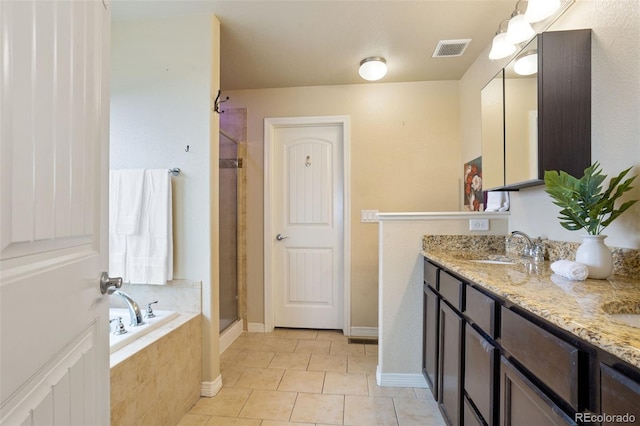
(125, 203)
(149, 257)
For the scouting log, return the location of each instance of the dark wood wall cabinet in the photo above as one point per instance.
(490, 362)
(552, 131)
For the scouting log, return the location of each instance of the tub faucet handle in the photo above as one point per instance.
(150, 313)
(119, 327)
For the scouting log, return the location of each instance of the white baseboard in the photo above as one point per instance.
(400, 380)
(364, 332)
(229, 335)
(211, 389)
(254, 327)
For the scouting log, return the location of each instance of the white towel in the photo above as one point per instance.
(125, 200)
(149, 257)
(570, 269)
(497, 201)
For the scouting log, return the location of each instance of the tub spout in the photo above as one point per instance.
(134, 309)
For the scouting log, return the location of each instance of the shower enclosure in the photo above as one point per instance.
(231, 232)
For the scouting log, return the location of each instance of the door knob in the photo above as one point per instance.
(106, 282)
(281, 237)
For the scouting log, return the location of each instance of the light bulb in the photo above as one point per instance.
(538, 10)
(519, 30)
(501, 48)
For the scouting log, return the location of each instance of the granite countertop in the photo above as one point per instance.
(574, 306)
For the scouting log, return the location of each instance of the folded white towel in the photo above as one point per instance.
(570, 269)
(497, 201)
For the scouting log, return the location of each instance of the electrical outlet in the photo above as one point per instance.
(369, 216)
(478, 224)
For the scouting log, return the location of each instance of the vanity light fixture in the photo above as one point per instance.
(539, 10)
(527, 63)
(519, 29)
(501, 47)
(373, 68)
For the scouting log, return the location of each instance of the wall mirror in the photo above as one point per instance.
(492, 109)
(521, 117)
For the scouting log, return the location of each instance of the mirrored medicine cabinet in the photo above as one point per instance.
(536, 112)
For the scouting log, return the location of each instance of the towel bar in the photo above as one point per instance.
(175, 171)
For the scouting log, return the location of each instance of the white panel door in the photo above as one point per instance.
(308, 216)
(54, 118)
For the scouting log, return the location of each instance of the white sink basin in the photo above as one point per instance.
(630, 319)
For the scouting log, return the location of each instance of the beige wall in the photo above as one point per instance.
(405, 156)
(615, 115)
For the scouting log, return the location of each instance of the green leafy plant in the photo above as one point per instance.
(584, 205)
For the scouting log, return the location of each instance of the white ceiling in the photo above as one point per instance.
(268, 44)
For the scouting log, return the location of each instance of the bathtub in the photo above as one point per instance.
(160, 363)
(117, 342)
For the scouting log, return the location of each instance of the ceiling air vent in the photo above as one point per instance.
(450, 48)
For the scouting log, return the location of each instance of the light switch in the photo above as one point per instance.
(369, 216)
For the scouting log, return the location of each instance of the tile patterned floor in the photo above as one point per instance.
(307, 377)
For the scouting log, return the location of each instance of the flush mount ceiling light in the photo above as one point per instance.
(501, 47)
(519, 29)
(527, 63)
(538, 10)
(373, 68)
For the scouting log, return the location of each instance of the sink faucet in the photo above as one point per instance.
(531, 249)
(134, 309)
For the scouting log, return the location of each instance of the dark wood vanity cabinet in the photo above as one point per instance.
(492, 363)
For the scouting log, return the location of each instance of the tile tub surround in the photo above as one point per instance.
(156, 379)
(574, 306)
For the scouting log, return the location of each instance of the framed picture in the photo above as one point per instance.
(472, 185)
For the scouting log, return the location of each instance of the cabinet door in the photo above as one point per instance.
(470, 416)
(523, 404)
(449, 374)
(480, 373)
(620, 395)
(430, 339)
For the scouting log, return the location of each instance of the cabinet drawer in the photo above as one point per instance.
(481, 309)
(620, 394)
(550, 359)
(431, 274)
(479, 366)
(451, 289)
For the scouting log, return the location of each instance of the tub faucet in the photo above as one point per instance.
(134, 309)
(531, 249)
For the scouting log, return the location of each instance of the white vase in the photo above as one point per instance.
(594, 253)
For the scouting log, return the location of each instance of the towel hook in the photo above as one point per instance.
(217, 102)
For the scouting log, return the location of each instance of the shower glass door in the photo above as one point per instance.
(228, 172)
